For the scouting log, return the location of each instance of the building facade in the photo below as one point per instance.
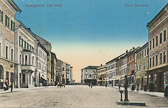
(41, 73)
(131, 65)
(25, 56)
(8, 9)
(89, 75)
(112, 72)
(53, 68)
(141, 64)
(123, 69)
(101, 75)
(158, 45)
(48, 47)
(59, 71)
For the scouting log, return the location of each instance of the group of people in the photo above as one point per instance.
(6, 85)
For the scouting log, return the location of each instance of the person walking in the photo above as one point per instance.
(11, 87)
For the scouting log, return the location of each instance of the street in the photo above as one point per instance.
(74, 96)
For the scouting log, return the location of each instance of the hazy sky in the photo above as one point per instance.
(89, 32)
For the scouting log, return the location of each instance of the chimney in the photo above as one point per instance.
(126, 51)
(29, 29)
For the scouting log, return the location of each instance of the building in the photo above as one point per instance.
(101, 75)
(131, 65)
(8, 9)
(53, 68)
(58, 70)
(25, 56)
(41, 73)
(64, 72)
(68, 74)
(123, 68)
(158, 45)
(141, 65)
(89, 75)
(112, 71)
(48, 47)
(71, 74)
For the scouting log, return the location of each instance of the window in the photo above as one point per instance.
(156, 41)
(25, 44)
(145, 52)
(23, 78)
(153, 43)
(33, 60)
(164, 35)
(20, 41)
(164, 57)
(20, 59)
(150, 63)
(12, 26)
(11, 54)
(7, 75)
(6, 52)
(150, 45)
(142, 54)
(6, 21)
(26, 60)
(160, 58)
(1, 16)
(160, 38)
(156, 60)
(153, 61)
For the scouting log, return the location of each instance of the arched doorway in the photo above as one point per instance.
(1, 76)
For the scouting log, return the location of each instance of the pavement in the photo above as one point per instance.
(73, 96)
(158, 94)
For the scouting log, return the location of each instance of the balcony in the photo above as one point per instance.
(28, 67)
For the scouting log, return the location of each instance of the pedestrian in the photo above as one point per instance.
(11, 87)
(91, 85)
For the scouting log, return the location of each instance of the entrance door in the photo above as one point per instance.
(1, 76)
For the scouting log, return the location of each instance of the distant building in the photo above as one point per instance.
(141, 65)
(101, 75)
(89, 75)
(64, 72)
(112, 71)
(123, 68)
(131, 65)
(53, 68)
(158, 54)
(58, 70)
(48, 47)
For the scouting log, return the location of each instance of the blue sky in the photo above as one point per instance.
(89, 21)
(108, 26)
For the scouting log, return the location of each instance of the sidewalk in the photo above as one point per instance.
(21, 89)
(158, 94)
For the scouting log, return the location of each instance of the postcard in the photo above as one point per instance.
(83, 53)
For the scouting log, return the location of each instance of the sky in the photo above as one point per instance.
(89, 32)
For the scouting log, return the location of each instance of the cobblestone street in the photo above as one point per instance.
(74, 96)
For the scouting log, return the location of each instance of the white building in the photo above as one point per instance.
(41, 74)
(25, 56)
(89, 75)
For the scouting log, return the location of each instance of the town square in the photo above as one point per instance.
(59, 53)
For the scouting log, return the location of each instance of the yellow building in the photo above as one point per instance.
(141, 62)
(8, 10)
(101, 75)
